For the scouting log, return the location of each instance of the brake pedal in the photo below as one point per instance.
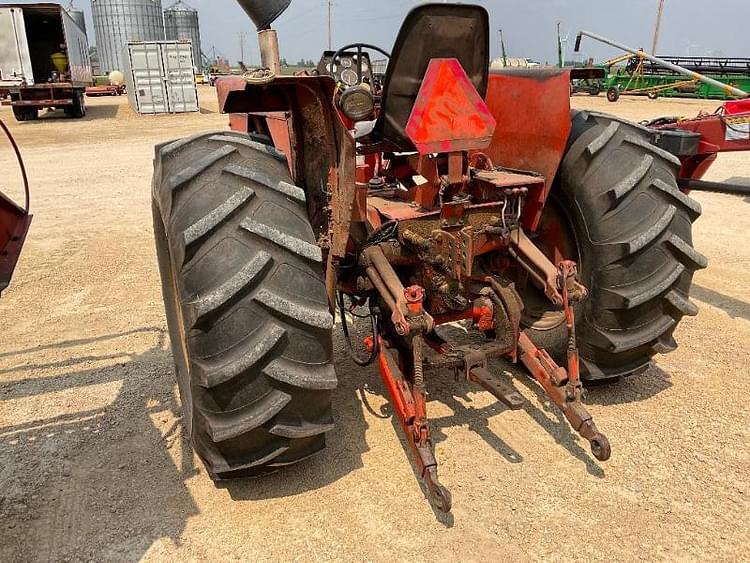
(504, 391)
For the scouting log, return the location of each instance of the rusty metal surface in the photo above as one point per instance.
(500, 389)
(236, 95)
(539, 267)
(342, 185)
(449, 114)
(277, 124)
(105, 90)
(408, 389)
(543, 368)
(404, 211)
(46, 103)
(532, 110)
(46, 95)
(508, 179)
(410, 408)
(496, 310)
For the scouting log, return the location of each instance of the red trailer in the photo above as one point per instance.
(698, 141)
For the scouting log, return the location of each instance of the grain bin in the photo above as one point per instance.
(160, 77)
(118, 21)
(181, 22)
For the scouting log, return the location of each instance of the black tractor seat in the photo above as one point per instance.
(430, 31)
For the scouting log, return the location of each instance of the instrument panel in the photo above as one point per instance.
(344, 69)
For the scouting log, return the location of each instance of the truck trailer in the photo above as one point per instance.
(44, 60)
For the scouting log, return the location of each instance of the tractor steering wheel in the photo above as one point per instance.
(360, 48)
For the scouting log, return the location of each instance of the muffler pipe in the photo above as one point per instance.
(268, 42)
(264, 13)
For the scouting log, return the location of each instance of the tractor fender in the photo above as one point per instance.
(532, 110)
(299, 115)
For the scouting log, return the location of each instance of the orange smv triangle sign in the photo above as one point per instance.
(449, 114)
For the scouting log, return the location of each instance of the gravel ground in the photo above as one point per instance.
(94, 465)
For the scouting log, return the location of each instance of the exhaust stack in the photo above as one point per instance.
(264, 13)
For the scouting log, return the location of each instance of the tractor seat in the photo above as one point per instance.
(430, 31)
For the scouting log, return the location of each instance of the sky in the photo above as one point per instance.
(690, 27)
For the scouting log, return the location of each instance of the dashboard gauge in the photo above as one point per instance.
(346, 63)
(365, 66)
(332, 68)
(349, 77)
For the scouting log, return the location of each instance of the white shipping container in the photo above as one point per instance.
(160, 77)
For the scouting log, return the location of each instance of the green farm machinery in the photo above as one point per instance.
(641, 76)
(696, 77)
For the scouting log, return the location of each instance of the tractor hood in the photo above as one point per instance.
(264, 12)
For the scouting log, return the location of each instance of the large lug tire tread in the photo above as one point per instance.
(246, 305)
(634, 232)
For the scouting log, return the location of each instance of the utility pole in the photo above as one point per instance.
(242, 45)
(502, 49)
(659, 14)
(330, 25)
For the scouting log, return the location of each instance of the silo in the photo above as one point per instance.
(79, 18)
(181, 22)
(118, 21)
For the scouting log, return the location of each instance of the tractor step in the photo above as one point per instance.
(504, 391)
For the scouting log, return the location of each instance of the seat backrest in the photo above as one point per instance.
(430, 31)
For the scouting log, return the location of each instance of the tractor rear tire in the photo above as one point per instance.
(633, 228)
(244, 292)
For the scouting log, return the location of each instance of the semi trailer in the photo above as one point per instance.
(44, 60)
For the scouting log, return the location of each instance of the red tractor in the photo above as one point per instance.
(447, 193)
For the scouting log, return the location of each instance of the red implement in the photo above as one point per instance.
(14, 223)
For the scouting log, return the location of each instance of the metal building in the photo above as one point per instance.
(79, 18)
(180, 23)
(118, 21)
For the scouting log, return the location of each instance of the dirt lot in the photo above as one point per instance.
(94, 466)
